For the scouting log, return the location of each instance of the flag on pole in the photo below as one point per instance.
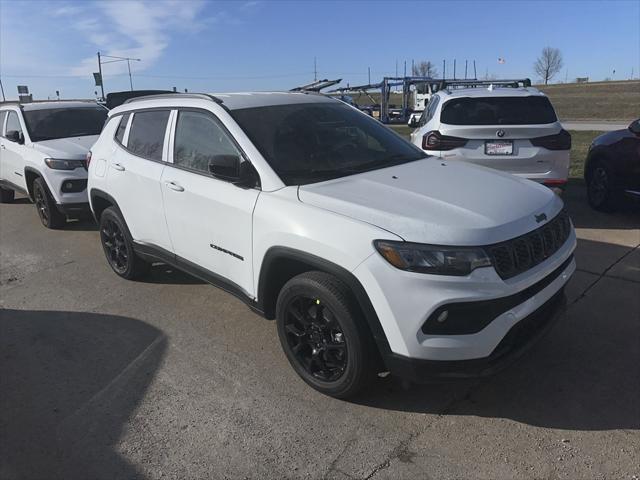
(501, 60)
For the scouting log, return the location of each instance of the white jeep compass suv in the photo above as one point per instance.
(502, 125)
(371, 255)
(43, 149)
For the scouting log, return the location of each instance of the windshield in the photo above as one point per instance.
(53, 123)
(312, 142)
(498, 111)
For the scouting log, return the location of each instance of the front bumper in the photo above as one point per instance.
(404, 301)
(67, 186)
(74, 209)
(516, 342)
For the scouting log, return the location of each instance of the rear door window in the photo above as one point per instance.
(146, 135)
(530, 110)
(3, 115)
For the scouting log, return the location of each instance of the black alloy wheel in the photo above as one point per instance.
(46, 207)
(324, 334)
(316, 338)
(118, 246)
(115, 246)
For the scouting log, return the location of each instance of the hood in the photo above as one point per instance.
(438, 202)
(73, 148)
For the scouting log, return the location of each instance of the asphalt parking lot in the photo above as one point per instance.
(103, 378)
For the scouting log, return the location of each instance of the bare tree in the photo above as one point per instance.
(424, 69)
(548, 63)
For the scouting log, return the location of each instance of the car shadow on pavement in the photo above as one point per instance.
(582, 376)
(167, 275)
(68, 383)
(81, 225)
(21, 201)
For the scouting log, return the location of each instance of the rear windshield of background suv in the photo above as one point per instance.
(498, 111)
(54, 123)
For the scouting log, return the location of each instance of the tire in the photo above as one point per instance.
(118, 246)
(6, 195)
(49, 214)
(324, 336)
(600, 192)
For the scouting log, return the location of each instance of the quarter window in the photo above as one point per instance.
(201, 141)
(146, 135)
(2, 117)
(124, 119)
(13, 123)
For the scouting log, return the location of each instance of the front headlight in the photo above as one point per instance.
(58, 164)
(418, 257)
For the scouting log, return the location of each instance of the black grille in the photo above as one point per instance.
(518, 255)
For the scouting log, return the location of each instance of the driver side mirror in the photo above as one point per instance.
(413, 123)
(635, 127)
(15, 136)
(233, 169)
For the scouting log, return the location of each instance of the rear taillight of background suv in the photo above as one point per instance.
(559, 141)
(434, 140)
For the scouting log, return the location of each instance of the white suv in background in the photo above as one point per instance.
(370, 255)
(43, 149)
(502, 125)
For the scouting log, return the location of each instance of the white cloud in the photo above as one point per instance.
(132, 28)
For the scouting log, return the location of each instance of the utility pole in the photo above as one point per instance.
(413, 68)
(405, 69)
(465, 69)
(315, 70)
(475, 74)
(454, 68)
(444, 69)
(369, 70)
(101, 79)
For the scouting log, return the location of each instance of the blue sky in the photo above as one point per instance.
(265, 45)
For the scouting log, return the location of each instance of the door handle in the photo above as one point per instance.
(174, 186)
(118, 167)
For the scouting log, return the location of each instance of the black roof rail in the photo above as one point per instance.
(514, 83)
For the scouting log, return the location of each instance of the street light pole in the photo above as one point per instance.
(115, 59)
(101, 79)
(129, 67)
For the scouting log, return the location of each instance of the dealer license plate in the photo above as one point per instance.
(502, 147)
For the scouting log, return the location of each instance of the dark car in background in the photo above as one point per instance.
(612, 169)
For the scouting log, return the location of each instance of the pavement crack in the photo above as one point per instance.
(332, 466)
(401, 449)
(602, 275)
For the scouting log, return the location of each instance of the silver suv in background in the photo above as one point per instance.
(505, 125)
